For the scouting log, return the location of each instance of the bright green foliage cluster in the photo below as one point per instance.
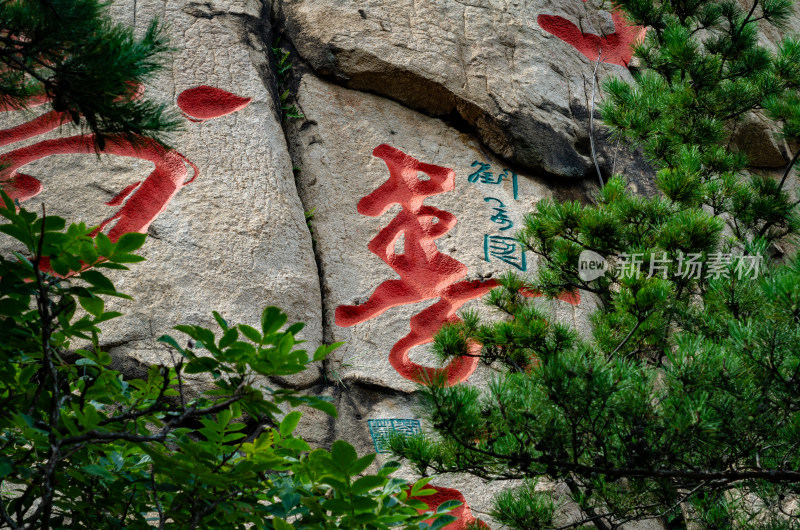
(682, 400)
(283, 79)
(702, 71)
(84, 446)
(58, 48)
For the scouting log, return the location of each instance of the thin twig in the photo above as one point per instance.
(43, 305)
(161, 519)
(624, 342)
(589, 510)
(591, 119)
(789, 169)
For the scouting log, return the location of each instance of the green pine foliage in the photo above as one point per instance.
(83, 445)
(682, 401)
(88, 66)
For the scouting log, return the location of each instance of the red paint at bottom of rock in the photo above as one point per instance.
(462, 513)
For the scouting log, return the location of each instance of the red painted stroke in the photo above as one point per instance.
(425, 273)
(462, 514)
(616, 48)
(207, 102)
(143, 206)
(140, 202)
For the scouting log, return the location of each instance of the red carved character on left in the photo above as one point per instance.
(141, 202)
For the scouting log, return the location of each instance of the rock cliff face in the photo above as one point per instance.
(428, 129)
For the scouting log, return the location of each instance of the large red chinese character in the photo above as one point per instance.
(141, 202)
(425, 273)
(615, 48)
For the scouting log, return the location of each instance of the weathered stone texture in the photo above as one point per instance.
(487, 62)
(333, 148)
(235, 239)
(478, 88)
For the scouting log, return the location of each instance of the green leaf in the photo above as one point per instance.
(93, 305)
(8, 202)
(280, 524)
(416, 489)
(128, 242)
(68, 421)
(86, 362)
(229, 338)
(60, 266)
(221, 321)
(166, 339)
(97, 279)
(104, 357)
(295, 328)
(11, 307)
(104, 244)
(53, 223)
(324, 406)
(324, 350)
(126, 258)
(108, 315)
(336, 506)
(200, 365)
(18, 233)
(295, 444)
(361, 464)
(250, 332)
(388, 468)
(446, 506)
(442, 521)
(6, 466)
(365, 504)
(109, 265)
(272, 319)
(87, 252)
(364, 484)
(343, 454)
(289, 423)
(100, 471)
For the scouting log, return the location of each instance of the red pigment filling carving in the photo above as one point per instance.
(616, 48)
(462, 514)
(207, 102)
(425, 273)
(140, 202)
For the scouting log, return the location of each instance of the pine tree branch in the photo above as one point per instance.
(770, 475)
(789, 169)
(639, 322)
(593, 518)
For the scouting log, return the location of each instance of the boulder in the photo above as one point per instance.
(225, 224)
(510, 72)
(413, 222)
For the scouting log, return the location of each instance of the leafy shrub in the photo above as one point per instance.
(84, 446)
